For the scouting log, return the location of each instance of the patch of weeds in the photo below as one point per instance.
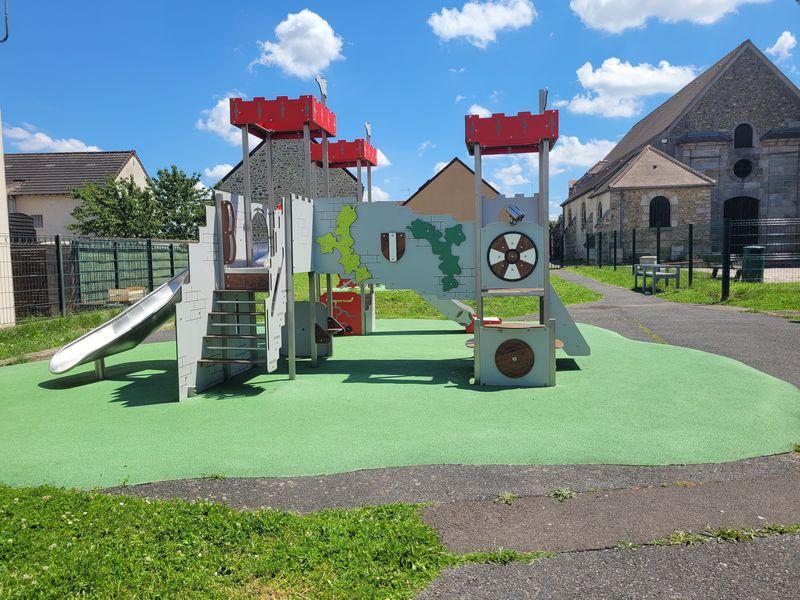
(685, 484)
(124, 483)
(501, 557)
(562, 494)
(724, 534)
(680, 538)
(506, 498)
(626, 545)
(728, 534)
(213, 476)
(797, 448)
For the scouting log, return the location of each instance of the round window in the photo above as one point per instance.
(743, 168)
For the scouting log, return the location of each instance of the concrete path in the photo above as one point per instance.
(766, 569)
(770, 344)
(604, 518)
(450, 483)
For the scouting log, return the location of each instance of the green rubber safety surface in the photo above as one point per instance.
(399, 397)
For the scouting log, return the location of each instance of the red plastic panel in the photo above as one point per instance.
(283, 116)
(345, 154)
(501, 134)
(346, 310)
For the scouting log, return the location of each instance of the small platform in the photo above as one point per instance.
(511, 134)
(344, 154)
(283, 117)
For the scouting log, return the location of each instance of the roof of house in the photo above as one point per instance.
(61, 172)
(455, 161)
(784, 133)
(653, 168)
(661, 119)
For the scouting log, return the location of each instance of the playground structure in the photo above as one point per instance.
(247, 248)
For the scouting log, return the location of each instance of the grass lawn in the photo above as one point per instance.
(705, 290)
(41, 333)
(56, 543)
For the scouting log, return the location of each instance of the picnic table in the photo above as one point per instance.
(655, 272)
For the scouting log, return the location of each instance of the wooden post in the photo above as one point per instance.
(478, 320)
(248, 216)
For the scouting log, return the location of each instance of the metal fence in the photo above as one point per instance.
(747, 251)
(57, 275)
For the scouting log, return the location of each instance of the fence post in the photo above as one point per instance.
(633, 249)
(587, 249)
(62, 299)
(172, 260)
(116, 264)
(726, 260)
(658, 244)
(149, 265)
(691, 254)
(615, 249)
(599, 249)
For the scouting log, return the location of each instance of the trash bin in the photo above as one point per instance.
(753, 264)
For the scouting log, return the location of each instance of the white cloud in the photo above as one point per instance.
(782, 50)
(439, 166)
(27, 139)
(383, 160)
(217, 172)
(511, 175)
(217, 120)
(481, 111)
(426, 145)
(615, 88)
(494, 96)
(616, 16)
(457, 69)
(379, 195)
(571, 152)
(305, 45)
(459, 98)
(479, 22)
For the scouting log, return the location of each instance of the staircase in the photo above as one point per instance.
(235, 330)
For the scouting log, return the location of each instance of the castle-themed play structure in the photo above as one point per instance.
(248, 251)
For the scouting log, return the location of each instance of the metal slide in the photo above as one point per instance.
(125, 331)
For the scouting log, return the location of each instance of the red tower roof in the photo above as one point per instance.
(283, 116)
(345, 154)
(514, 134)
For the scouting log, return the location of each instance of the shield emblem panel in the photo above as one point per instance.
(393, 245)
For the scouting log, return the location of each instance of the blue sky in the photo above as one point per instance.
(148, 74)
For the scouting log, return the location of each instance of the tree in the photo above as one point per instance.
(182, 201)
(116, 209)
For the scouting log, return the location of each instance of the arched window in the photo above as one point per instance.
(599, 211)
(659, 212)
(743, 136)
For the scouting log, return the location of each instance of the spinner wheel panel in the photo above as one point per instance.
(514, 358)
(512, 256)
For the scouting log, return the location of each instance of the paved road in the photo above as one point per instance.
(767, 568)
(769, 344)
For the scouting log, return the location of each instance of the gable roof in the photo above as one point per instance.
(455, 162)
(653, 168)
(664, 117)
(61, 172)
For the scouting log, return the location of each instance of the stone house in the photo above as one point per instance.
(451, 191)
(40, 184)
(725, 146)
(287, 173)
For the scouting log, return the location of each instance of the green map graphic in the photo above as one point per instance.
(343, 242)
(448, 262)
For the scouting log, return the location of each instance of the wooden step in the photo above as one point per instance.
(243, 348)
(230, 361)
(230, 336)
